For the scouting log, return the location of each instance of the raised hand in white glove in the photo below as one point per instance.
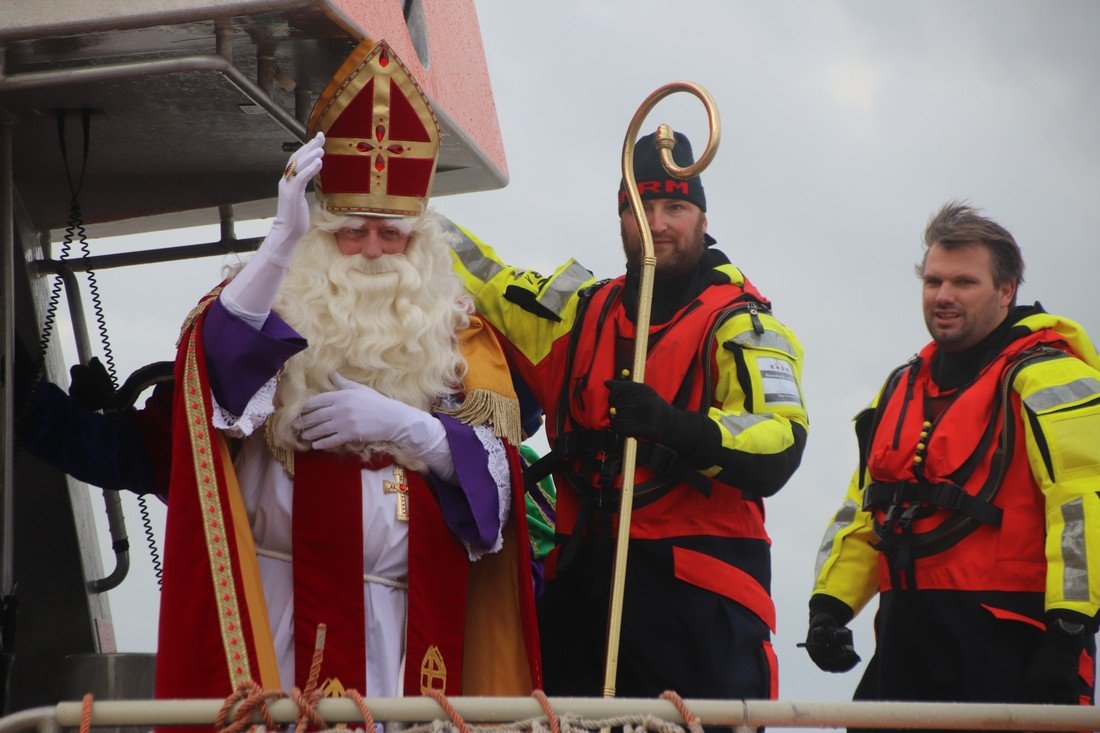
(356, 413)
(250, 294)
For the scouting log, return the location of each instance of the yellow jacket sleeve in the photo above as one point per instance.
(758, 404)
(1061, 416)
(530, 309)
(846, 566)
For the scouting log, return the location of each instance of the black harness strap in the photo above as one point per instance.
(893, 496)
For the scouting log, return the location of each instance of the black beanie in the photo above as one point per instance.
(654, 182)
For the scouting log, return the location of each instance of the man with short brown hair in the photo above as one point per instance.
(974, 512)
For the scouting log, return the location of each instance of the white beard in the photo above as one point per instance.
(389, 323)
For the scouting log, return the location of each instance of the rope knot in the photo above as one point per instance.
(693, 723)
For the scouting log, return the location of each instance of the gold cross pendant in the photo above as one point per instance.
(400, 487)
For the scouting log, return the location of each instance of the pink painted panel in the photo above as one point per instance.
(457, 77)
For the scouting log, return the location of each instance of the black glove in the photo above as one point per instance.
(91, 386)
(637, 411)
(1054, 676)
(829, 641)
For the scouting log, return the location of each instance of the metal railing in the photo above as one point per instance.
(738, 714)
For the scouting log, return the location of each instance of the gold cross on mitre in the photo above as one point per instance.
(399, 486)
(381, 137)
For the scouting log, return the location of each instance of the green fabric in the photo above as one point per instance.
(539, 526)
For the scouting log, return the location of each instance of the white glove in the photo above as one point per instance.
(250, 294)
(356, 413)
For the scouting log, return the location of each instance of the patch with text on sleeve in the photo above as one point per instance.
(778, 382)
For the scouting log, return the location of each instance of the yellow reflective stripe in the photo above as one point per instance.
(843, 518)
(766, 340)
(1063, 394)
(1075, 569)
(737, 424)
(557, 292)
(849, 570)
(531, 333)
(473, 260)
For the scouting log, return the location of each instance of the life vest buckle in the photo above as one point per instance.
(911, 512)
(893, 506)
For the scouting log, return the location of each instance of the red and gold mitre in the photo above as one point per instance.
(381, 137)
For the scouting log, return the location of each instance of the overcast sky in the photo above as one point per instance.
(845, 126)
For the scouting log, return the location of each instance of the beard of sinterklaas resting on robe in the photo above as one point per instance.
(388, 323)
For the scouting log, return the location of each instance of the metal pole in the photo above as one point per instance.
(120, 544)
(42, 719)
(226, 221)
(116, 521)
(303, 99)
(7, 333)
(223, 39)
(149, 256)
(265, 68)
(9, 605)
(730, 713)
(76, 311)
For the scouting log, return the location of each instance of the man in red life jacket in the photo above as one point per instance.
(721, 425)
(974, 512)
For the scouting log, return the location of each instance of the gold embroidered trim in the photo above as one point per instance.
(485, 407)
(197, 311)
(284, 456)
(225, 591)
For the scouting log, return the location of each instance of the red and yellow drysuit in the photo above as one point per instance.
(697, 609)
(974, 514)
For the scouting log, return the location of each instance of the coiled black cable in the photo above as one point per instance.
(150, 540)
(75, 231)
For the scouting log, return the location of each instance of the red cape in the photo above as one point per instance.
(214, 633)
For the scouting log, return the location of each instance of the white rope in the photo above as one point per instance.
(377, 580)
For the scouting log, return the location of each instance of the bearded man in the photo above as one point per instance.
(376, 426)
(721, 425)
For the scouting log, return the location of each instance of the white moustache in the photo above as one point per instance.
(377, 266)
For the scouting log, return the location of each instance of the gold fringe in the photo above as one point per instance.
(483, 407)
(280, 454)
